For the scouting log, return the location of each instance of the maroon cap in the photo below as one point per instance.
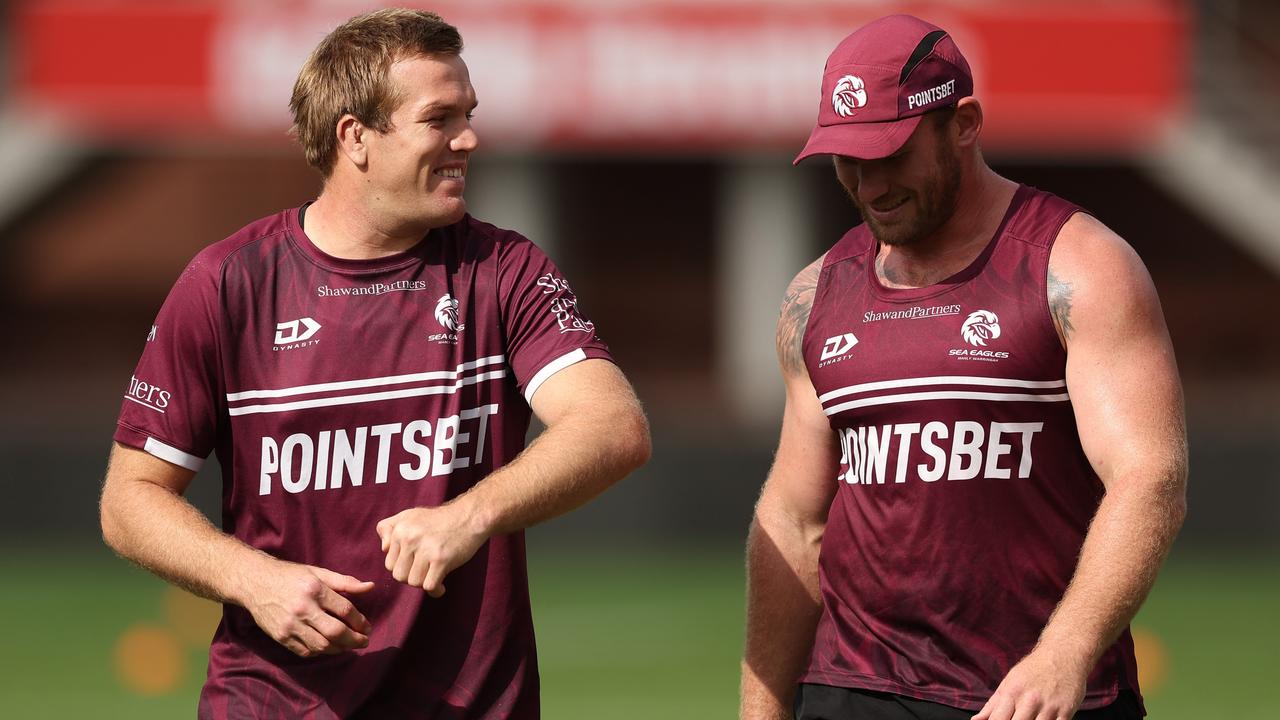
(879, 81)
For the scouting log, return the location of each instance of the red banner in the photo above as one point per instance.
(632, 76)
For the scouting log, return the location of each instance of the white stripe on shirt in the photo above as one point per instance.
(944, 395)
(940, 380)
(172, 454)
(367, 382)
(367, 397)
(550, 369)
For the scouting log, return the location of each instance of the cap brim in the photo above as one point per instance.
(864, 141)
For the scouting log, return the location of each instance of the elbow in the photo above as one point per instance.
(1178, 507)
(623, 441)
(1169, 495)
(635, 445)
(115, 516)
(108, 520)
(1178, 494)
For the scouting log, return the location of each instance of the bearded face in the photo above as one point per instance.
(909, 195)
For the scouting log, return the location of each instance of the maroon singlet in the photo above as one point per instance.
(337, 393)
(964, 495)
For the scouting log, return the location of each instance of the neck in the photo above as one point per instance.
(342, 226)
(981, 203)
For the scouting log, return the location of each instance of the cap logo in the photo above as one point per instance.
(849, 95)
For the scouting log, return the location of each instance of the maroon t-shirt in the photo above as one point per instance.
(337, 393)
(963, 493)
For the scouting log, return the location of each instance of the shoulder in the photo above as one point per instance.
(502, 250)
(794, 318)
(1087, 250)
(1091, 268)
(802, 286)
(1084, 233)
(207, 267)
(855, 243)
(476, 234)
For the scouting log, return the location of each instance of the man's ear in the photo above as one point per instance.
(968, 122)
(351, 136)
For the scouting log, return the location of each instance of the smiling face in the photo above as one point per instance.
(415, 172)
(909, 195)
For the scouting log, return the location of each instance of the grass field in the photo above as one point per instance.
(633, 633)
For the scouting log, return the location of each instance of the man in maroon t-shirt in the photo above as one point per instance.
(365, 368)
(983, 456)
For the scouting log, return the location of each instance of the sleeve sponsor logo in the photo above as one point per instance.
(330, 459)
(295, 334)
(564, 305)
(148, 395)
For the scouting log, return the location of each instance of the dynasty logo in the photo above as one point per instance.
(836, 349)
(295, 334)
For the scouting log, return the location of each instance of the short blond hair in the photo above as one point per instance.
(348, 72)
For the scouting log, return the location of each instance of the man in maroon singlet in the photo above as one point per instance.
(365, 367)
(983, 459)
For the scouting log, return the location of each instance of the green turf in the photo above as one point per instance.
(630, 633)
(1216, 617)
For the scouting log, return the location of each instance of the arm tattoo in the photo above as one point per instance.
(1060, 304)
(795, 317)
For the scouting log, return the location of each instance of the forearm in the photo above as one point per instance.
(783, 607)
(570, 463)
(1129, 538)
(159, 530)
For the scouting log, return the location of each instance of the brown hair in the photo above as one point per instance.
(348, 73)
(941, 117)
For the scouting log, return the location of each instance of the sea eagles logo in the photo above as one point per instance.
(849, 95)
(447, 313)
(979, 327)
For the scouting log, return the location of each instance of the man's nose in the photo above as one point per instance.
(465, 141)
(873, 180)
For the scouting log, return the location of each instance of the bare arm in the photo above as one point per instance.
(1127, 397)
(146, 519)
(783, 603)
(596, 434)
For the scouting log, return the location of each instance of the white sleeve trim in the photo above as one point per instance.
(550, 369)
(172, 454)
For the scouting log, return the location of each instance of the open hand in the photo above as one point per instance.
(1042, 686)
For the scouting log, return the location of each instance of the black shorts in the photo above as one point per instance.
(823, 702)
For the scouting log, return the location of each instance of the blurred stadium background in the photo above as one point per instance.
(646, 144)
